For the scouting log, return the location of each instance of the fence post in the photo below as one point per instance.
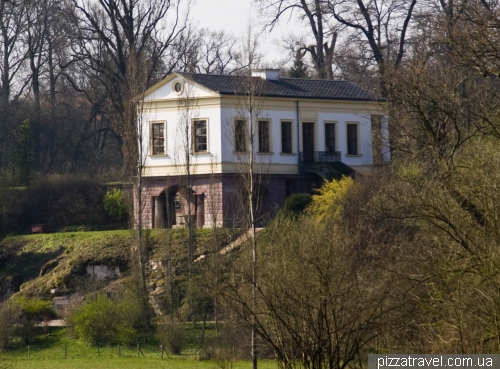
(163, 350)
(139, 351)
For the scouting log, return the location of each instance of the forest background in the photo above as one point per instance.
(404, 260)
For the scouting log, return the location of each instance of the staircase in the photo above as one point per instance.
(326, 164)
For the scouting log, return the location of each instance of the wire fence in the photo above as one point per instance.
(79, 352)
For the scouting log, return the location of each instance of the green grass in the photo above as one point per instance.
(35, 264)
(125, 363)
(47, 352)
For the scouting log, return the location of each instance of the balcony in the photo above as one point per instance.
(326, 164)
(319, 157)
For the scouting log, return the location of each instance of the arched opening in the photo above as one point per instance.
(178, 206)
(160, 210)
(181, 211)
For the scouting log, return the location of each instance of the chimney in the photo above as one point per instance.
(269, 74)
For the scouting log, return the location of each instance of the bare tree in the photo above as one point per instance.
(42, 19)
(471, 32)
(217, 49)
(187, 146)
(205, 51)
(12, 24)
(383, 24)
(109, 33)
(315, 15)
(325, 297)
(12, 84)
(444, 111)
(137, 80)
(243, 133)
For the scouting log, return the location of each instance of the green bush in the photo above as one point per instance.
(173, 337)
(9, 317)
(35, 309)
(105, 320)
(59, 201)
(115, 204)
(297, 203)
(32, 311)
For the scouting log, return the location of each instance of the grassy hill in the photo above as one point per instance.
(48, 265)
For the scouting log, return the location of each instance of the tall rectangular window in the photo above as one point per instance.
(200, 135)
(240, 135)
(264, 136)
(158, 138)
(330, 137)
(286, 137)
(352, 139)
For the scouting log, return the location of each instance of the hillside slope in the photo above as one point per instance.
(59, 264)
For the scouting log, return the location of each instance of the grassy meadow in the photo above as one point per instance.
(49, 349)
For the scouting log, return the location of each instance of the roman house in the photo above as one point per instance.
(197, 133)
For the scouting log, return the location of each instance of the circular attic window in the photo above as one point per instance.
(178, 87)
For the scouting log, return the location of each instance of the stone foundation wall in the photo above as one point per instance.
(208, 186)
(222, 196)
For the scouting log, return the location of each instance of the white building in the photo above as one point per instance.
(305, 131)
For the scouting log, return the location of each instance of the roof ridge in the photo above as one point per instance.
(319, 79)
(288, 87)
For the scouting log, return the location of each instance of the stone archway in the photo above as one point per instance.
(178, 206)
(160, 210)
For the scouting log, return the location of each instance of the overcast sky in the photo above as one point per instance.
(234, 16)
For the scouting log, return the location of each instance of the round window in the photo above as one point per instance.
(178, 87)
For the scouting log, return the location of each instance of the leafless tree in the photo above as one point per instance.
(42, 37)
(218, 52)
(134, 111)
(382, 24)
(315, 15)
(243, 131)
(109, 32)
(325, 296)
(205, 51)
(187, 107)
(444, 110)
(12, 24)
(12, 83)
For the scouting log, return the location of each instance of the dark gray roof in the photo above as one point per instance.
(286, 87)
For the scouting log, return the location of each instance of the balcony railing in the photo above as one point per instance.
(308, 158)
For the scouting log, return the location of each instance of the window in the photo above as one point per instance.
(158, 138)
(178, 87)
(352, 139)
(264, 136)
(330, 137)
(286, 137)
(240, 134)
(200, 135)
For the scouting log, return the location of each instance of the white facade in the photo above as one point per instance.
(165, 105)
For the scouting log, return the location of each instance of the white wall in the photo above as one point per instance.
(365, 156)
(176, 140)
(220, 133)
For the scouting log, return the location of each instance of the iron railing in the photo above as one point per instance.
(320, 157)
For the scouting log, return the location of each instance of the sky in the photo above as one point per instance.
(234, 16)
